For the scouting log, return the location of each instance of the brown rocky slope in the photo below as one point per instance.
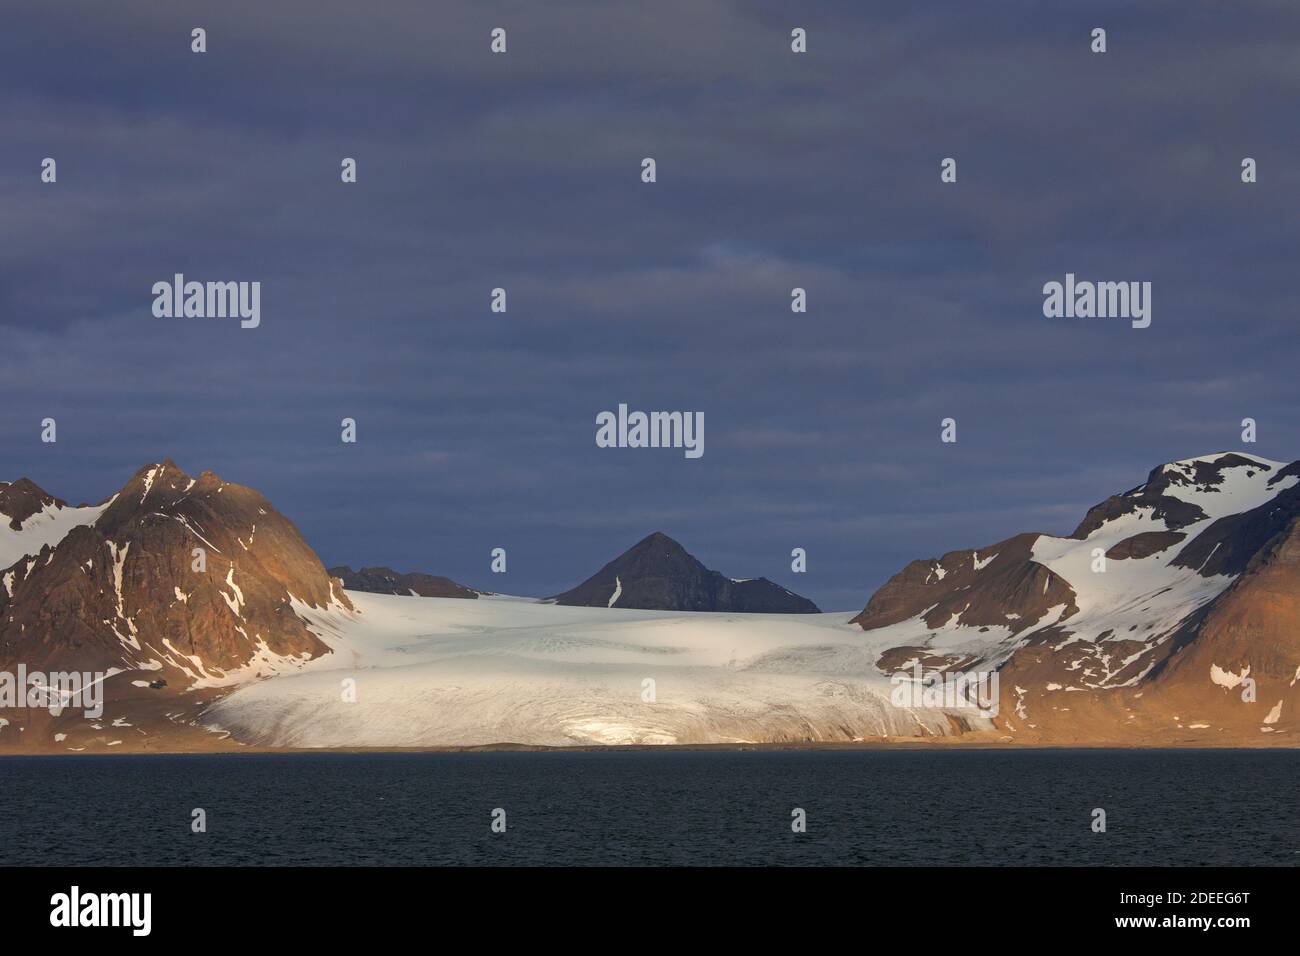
(176, 587)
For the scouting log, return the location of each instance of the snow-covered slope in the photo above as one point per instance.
(1111, 605)
(1135, 570)
(1146, 597)
(443, 672)
(48, 526)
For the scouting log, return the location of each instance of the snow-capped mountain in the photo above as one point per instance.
(1145, 618)
(175, 584)
(1170, 616)
(658, 574)
(388, 581)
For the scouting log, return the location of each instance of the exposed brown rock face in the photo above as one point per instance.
(1144, 544)
(129, 593)
(1251, 630)
(658, 574)
(998, 585)
(388, 581)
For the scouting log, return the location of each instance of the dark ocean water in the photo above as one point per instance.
(913, 808)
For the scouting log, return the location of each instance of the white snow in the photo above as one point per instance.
(262, 664)
(48, 526)
(618, 591)
(1226, 678)
(1146, 599)
(1237, 492)
(235, 601)
(119, 564)
(987, 647)
(451, 672)
(148, 481)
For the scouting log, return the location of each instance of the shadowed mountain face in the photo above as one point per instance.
(21, 499)
(997, 585)
(1148, 619)
(658, 574)
(388, 581)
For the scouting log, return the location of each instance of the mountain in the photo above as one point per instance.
(388, 581)
(1145, 621)
(657, 573)
(1169, 617)
(173, 584)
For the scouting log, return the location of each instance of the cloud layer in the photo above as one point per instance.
(522, 171)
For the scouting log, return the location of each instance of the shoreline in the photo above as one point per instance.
(882, 745)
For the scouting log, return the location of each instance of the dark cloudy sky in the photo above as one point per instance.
(775, 170)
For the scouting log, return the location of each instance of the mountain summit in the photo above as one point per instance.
(658, 574)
